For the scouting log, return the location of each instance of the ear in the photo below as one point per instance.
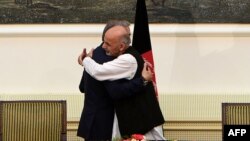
(122, 47)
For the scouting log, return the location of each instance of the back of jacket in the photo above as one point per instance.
(97, 116)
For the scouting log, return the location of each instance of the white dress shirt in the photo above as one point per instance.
(124, 66)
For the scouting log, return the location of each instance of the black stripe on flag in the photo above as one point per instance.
(141, 37)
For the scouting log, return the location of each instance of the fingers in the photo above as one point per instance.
(147, 68)
(84, 51)
(90, 53)
(149, 64)
(147, 73)
(81, 57)
(80, 60)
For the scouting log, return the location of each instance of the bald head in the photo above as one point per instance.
(116, 32)
(113, 23)
(116, 40)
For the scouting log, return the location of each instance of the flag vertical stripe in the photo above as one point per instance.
(141, 36)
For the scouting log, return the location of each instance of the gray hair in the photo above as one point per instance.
(126, 39)
(123, 23)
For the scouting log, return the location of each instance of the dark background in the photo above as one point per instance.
(100, 11)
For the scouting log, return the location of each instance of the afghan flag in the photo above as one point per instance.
(141, 37)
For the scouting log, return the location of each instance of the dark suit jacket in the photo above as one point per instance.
(98, 113)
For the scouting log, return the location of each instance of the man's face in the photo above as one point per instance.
(113, 42)
(111, 47)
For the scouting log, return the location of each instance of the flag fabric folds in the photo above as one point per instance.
(141, 36)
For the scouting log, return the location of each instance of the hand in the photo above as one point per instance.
(82, 56)
(147, 73)
(148, 63)
(90, 53)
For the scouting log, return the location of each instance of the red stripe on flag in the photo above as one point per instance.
(149, 57)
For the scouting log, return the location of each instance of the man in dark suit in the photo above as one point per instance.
(98, 113)
(140, 112)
